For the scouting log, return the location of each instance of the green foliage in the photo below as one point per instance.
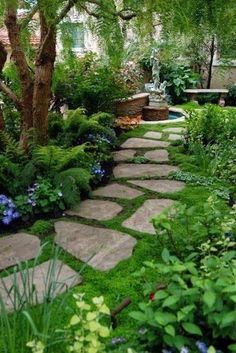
(55, 125)
(231, 96)
(88, 83)
(41, 227)
(179, 78)
(104, 119)
(192, 300)
(138, 160)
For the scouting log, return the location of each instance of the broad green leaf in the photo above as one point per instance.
(232, 347)
(104, 331)
(228, 319)
(209, 298)
(170, 330)
(170, 301)
(138, 315)
(164, 318)
(165, 255)
(161, 295)
(192, 328)
(211, 349)
(74, 320)
(91, 316)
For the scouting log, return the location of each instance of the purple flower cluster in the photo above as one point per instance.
(100, 138)
(98, 171)
(202, 348)
(8, 211)
(31, 191)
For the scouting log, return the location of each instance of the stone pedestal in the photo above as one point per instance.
(155, 113)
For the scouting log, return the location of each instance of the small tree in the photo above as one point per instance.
(35, 67)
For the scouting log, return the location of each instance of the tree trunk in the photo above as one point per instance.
(19, 58)
(43, 79)
(212, 53)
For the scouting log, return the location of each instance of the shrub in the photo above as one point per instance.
(231, 96)
(42, 227)
(190, 302)
(179, 78)
(56, 125)
(104, 119)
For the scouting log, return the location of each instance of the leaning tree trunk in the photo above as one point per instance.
(43, 79)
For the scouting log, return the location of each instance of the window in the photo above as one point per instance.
(77, 36)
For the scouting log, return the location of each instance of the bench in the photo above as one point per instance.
(193, 93)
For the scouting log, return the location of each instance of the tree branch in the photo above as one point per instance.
(10, 94)
(65, 10)
(29, 16)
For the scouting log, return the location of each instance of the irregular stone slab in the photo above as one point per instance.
(16, 248)
(100, 248)
(143, 143)
(121, 156)
(96, 209)
(153, 135)
(157, 156)
(174, 137)
(141, 219)
(118, 191)
(44, 281)
(129, 170)
(176, 130)
(164, 186)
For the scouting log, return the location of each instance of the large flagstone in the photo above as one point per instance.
(141, 219)
(153, 135)
(157, 156)
(43, 282)
(123, 155)
(129, 170)
(161, 186)
(16, 248)
(118, 191)
(96, 209)
(100, 248)
(143, 143)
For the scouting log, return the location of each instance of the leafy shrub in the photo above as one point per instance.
(191, 302)
(42, 227)
(104, 119)
(210, 98)
(179, 78)
(55, 125)
(88, 83)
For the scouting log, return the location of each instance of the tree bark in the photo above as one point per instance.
(212, 53)
(19, 58)
(43, 79)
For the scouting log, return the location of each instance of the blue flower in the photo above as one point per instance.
(118, 340)
(202, 347)
(6, 220)
(184, 350)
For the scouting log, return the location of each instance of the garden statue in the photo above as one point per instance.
(155, 62)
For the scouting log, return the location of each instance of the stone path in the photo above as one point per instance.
(162, 186)
(100, 248)
(117, 191)
(16, 248)
(96, 209)
(157, 156)
(128, 170)
(143, 143)
(141, 219)
(121, 156)
(44, 281)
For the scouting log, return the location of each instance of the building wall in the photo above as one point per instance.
(223, 78)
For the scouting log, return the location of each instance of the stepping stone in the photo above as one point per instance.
(177, 130)
(143, 143)
(157, 156)
(128, 170)
(121, 156)
(153, 135)
(141, 219)
(118, 191)
(16, 248)
(100, 248)
(44, 281)
(162, 186)
(96, 209)
(174, 137)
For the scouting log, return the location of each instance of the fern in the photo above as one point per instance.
(10, 147)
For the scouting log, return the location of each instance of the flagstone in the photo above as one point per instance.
(174, 137)
(129, 170)
(157, 156)
(100, 248)
(123, 155)
(153, 135)
(161, 186)
(34, 285)
(96, 209)
(141, 219)
(143, 143)
(18, 247)
(117, 191)
(177, 130)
